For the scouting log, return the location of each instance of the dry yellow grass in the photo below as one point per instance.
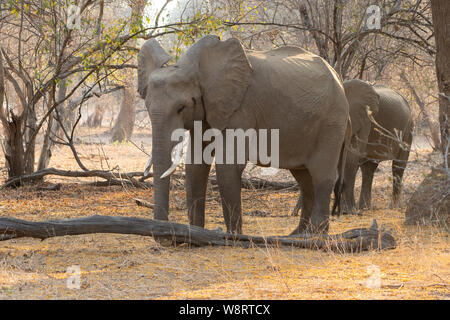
(134, 267)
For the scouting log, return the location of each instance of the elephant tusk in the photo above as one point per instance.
(148, 165)
(178, 155)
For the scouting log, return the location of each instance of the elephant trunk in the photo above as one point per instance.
(161, 154)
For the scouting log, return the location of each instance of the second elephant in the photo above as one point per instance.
(382, 132)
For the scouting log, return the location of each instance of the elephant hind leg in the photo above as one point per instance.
(322, 166)
(304, 181)
(368, 169)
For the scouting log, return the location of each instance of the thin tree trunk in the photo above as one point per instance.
(29, 131)
(53, 129)
(432, 125)
(124, 126)
(44, 158)
(441, 13)
(13, 126)
(95, 120)
(431, 200)
(15, 158)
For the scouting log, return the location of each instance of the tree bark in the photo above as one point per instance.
(124, 126)
(355, 240)
(441, 13)
(95, 120)
(432, 125)
(53, 129)
(118, 179)
(15, 157)
(431, 200)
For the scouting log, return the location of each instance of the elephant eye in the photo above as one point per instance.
(180, 109)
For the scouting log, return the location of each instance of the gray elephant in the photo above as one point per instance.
(390, 139)
(223, 86)
(382, 132)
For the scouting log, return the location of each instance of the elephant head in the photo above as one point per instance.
(364, 103)
(208, 84)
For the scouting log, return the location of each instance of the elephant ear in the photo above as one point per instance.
(361, 95)
(224, 74)
(151, 56)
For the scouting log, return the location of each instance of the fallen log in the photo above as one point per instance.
(143, 203)
(110, 177)
(129, 178)
(355, 240)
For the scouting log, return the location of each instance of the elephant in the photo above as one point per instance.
(223, 86)
(390, 139)
(374, 139)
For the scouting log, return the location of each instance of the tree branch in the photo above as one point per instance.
(355, 240)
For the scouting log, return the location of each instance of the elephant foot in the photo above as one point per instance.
(300, 235)
(364, 206)
(352, 212)
(301, 229)
(234, 232)
(345, 210)
(307, 232)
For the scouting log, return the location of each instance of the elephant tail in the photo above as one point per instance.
(341, 168)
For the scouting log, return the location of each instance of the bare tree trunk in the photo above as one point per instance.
(29, 131)
(12, 125)
(434, 130)
(3, 117)
(15, 158)
(431, 200)
(441, 12)
(46, 150)
(53, 129)
(123, 128)
(95, 120)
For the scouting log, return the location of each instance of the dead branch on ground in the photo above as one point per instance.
(354, 240)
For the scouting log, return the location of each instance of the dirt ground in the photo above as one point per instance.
(135, 267)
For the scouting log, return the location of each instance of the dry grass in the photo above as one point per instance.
(134, 267)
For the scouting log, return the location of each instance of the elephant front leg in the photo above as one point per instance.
(196, 183)
(229, 181)
(368, 169)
